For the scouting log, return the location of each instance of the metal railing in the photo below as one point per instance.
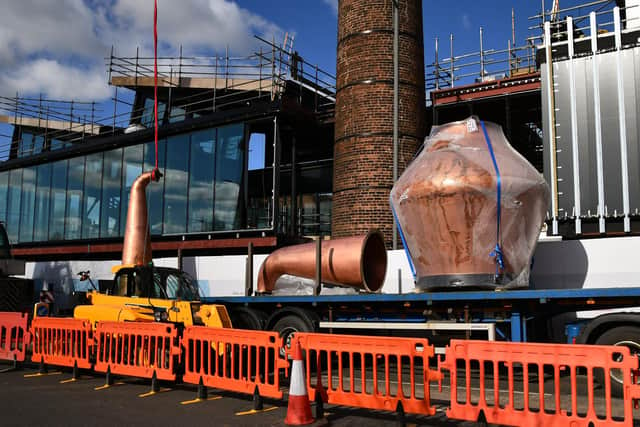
(494, 64)
(481, 66)
(231, 79)
(221, 81)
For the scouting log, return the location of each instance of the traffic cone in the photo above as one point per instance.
(299, 408)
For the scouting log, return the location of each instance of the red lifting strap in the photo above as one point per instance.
(155, 75)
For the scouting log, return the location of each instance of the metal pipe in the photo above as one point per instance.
(451, 53)
(598, 120)
(318, 287)
(622, 120)
(276, 173)
(481, 57)
(248, 280)
(575, 147)
(437, 66)
(294, 190)
(359, 262)
(396, 32)
(553, 172)
(513, 26)
(136, 249)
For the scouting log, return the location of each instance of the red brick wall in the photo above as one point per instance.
(363, 150)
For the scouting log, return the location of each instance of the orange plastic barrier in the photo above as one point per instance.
(535, 374)
(62, 341)
(369, 372)
(234, 359)
(137, 349)
(14, 336)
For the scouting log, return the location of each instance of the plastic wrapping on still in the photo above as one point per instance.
(446, 203)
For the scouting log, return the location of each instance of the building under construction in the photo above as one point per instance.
(268, 149)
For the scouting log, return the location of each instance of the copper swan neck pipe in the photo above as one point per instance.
(137, 238)
(359, 262)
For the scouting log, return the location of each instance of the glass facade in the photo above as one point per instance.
(58, 199)
(176, 183)
(35, 141)
(86, 197)
(228, 183)
(201, 180)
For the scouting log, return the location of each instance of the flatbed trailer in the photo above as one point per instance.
(517, 315)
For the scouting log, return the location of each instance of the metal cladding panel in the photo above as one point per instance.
(610, 132)
(609, 113)
(586, 137)
(546, 165)
(631, 67)
(563, 138)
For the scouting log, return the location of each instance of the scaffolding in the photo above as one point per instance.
(197, 84)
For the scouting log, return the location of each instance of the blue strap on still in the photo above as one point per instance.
(497, 251)
(404, 242)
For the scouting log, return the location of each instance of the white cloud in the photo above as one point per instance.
(58, 48)
(57, 80)
(333, 4)
(466, 22)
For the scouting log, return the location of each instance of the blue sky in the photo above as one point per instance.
(57, 49)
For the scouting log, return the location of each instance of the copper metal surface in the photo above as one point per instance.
(359, 262)
(445, 202)
(137, 238)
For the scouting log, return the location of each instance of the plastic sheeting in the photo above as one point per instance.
(446, 203)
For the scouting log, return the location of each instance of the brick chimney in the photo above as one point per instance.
(363, 150)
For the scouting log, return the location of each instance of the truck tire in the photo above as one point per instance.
(290, 324)
(627, 336)
(248, 318)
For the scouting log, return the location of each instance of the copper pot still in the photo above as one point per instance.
(446, 206)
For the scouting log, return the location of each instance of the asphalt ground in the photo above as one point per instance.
(28, 399)
(45, 401)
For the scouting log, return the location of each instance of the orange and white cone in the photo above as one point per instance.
(299, 408)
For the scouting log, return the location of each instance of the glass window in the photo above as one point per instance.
(38, 144)
(57, 144)
(28, 201)
(175, 193)
(58, 198)
(92, 197)
(131, 169)
(177, 114)
(43, 186)
(173, 284)
(25, 146)
(147, 119)
(111, 179)
(201, 177)
(4, 183)
(256, 150)
(13, 204)
(229, 173)
(155, 189)
(73, 217)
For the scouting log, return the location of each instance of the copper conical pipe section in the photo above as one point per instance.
(137, 238)
(359, 262)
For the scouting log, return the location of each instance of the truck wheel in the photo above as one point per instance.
(289, 325)
(627, 336)
(248, 318)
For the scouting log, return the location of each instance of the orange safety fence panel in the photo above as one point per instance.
(369, 372)
(62, 341)
(14, 336)
(234, 360)
(138, 349)
(529, 384)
